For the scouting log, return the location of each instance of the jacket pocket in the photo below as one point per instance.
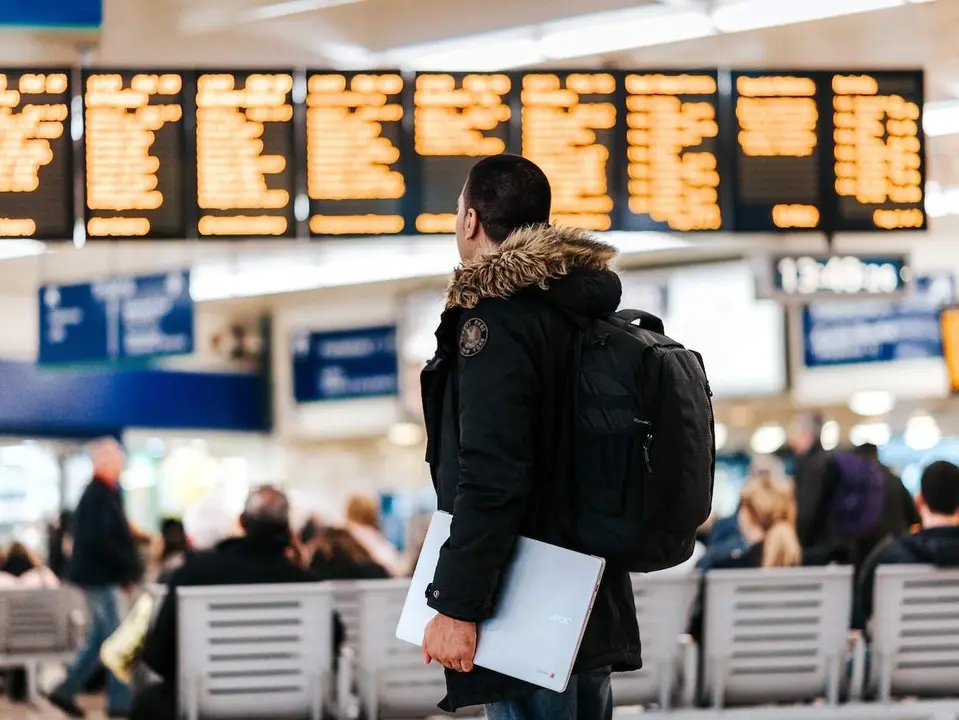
(432, 386)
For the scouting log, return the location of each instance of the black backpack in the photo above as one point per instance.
(644, 444)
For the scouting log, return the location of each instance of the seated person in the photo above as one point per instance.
(767, 521)
(22, 570)
(259, 556)
(936, 544)
(337, 555)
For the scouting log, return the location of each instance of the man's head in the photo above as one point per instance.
(804, 432)
(502, 194)
(108, 458)
(266, 516)
(939, 495)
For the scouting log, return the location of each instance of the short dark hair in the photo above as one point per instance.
(508, 192)
(940, 488)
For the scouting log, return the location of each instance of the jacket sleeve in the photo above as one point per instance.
(815, 490)
(497, 390)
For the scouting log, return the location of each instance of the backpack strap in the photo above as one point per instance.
(647, 321)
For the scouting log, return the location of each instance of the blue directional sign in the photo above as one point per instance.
(52, 14)
(117, 318)
(345, 364)
(868, 331)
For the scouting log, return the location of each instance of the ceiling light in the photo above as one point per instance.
(722, 436)
(742, 15)
(768, 439)
(489, 52)
(941, 118)
(13, 249)
(830, 435)
(922, 432)
(876, 433)
(871, 403)
(405, 434)
(941, 201)
(622, 30)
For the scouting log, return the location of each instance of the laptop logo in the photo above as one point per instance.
(560, 619)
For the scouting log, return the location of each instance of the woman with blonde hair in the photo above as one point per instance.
(767, 519)
(363, 522)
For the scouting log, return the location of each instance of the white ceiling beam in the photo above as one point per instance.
(215, 18)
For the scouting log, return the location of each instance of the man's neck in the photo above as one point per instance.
(931, 521)
(112, 484)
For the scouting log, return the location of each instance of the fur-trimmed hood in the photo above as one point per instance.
(527, 258)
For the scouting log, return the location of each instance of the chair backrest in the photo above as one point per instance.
(346, 602)
(392, 674)
(775, 635)
(35, 621)
(915, 631)
(663, 602)
(254, 650)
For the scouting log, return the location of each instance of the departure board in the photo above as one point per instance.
(878, 150)
(779, 155)
(458, 119)
(134, 150)
(355, 177)
(245, 154)
(36, 180)
(569, 129)
(672, 152)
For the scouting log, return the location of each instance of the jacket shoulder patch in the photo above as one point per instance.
(473, 337)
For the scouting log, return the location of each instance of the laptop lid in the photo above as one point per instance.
(545, 599)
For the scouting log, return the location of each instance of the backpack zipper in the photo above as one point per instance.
(647, 441)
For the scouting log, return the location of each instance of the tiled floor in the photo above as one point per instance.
(44, 711)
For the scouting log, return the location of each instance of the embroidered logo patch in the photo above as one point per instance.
(473, 338)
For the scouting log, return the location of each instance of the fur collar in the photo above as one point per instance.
(532, 256)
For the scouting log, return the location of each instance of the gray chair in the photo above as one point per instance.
(254, 651)
(776, 635)
(36, 626)
(392, 678)
(663, 602)
(915, 632)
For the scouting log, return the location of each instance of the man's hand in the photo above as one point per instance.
(452, 643)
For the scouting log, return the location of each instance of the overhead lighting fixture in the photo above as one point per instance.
(743, 15)
(488, 52)
(830, 435)
(871, 403)
(922, 432)
(876, 433)
(768, 439)
(18, 248)
(622, 30)
(941, 117)
(941, 201)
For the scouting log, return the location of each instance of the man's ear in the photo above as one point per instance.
(471, 225)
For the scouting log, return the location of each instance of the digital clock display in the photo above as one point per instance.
(807, 276)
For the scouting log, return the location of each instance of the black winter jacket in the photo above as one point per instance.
(936, 546)
(104, 553)
(498, 404)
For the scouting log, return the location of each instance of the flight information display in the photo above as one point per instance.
(878, 150)
(36, 178)
(779, 155)
(458, 118)
(134, 152)
(354, 135)
(569, 123)
(245, 151)
(672, 152)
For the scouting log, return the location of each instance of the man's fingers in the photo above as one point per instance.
(426, 656)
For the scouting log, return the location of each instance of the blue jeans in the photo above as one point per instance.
(588, 697)
(104, 620)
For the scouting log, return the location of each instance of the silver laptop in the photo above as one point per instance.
(545, 599)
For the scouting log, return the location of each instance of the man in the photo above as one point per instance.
(261, 555)
(899, 512)
(104, 560)
(813, 496)
(936, 544)
(498, 400)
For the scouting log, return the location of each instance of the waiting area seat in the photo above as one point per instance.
(255, 651)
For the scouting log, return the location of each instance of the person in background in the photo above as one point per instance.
(60, 543)
(258, 556)
(936, 544)
(363, 521)
(335, 554)
(767, 521)
(22, 569)
(813, 497)
(174, 549)
(207, 523)
(900, 513)
(104, 561)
